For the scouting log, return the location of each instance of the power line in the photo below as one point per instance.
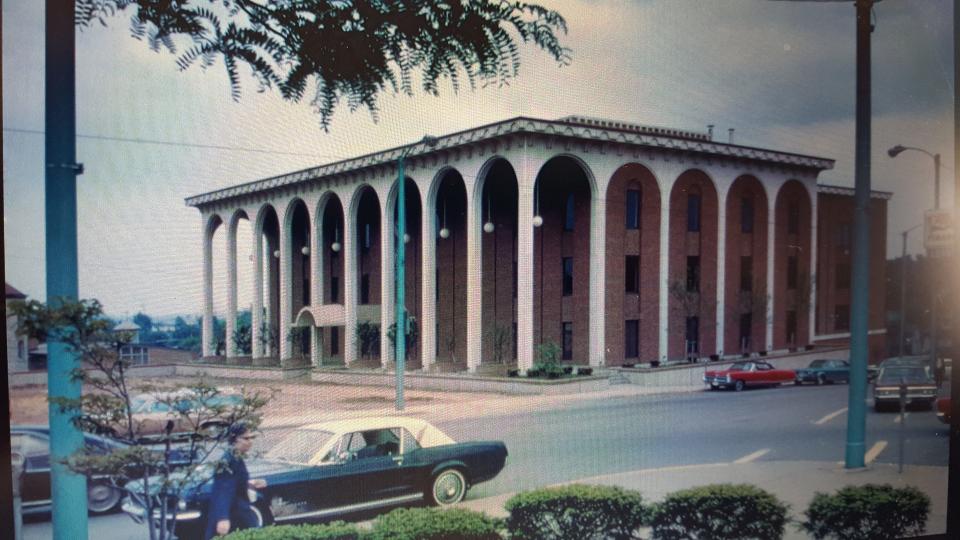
(173, 143)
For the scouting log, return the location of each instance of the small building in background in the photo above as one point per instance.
(17, 345)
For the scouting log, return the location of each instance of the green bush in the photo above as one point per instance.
(874, 512)
(435, 524)
(719, 512)
(576, 512)
(337, 530)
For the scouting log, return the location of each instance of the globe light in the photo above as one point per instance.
(537, 221)
(488, 227)
(406, 238)
(305, 250)
(276, 254)
(444, 233)
(335, 246)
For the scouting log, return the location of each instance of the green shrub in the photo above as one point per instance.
(868, 512)
(719, 512)
(576, 512)
(337, 530)
(435, 524)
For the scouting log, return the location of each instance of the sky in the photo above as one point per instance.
(781, 73)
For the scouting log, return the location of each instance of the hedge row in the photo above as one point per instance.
(581, 512)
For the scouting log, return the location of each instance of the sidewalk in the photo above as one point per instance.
(793, 482)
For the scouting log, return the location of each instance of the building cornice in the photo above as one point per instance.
(571, 128)
(850, 192)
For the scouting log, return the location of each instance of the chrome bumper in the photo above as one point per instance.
(138, 513)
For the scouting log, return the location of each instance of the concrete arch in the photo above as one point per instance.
(584, 167)
(213, 221)
(449, 296)
(304, 318)
(413, 263)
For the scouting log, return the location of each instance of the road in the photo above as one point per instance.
(593, 437)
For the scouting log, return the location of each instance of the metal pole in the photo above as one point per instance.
(857, 414)
(68, 490)
(400, 339)
(936, 181)
(903, 291)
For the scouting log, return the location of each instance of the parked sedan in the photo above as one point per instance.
(152, 412)
(335, 468)
(824, 371)
(919, 383)
(748, 373)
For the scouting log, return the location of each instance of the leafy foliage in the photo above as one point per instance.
(548, 361)
(411, 335)
(576, 512)
(337, 530)
(435, 524)
(720, 512)
(368, 337)
(328, 50)
(875, 512)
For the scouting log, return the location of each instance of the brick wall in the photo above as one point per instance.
(451, 279)
(792, 197)
(753, 244)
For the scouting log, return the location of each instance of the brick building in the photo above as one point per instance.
(618, 242)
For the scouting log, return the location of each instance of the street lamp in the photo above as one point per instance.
(903, 282)
(400, 341)
(896, 150)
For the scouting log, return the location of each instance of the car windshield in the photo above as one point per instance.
(911, 375)
(818, 363)
(740, 366)
(299, 446)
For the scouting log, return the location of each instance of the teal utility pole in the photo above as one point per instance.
(68, 490)
(400, 339)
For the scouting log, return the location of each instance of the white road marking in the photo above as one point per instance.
(753, 457)
(896, 419)
(874, 451)
(830, 417)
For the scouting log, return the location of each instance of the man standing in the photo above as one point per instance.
(229, 507)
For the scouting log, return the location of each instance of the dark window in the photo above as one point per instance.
(631, 339)
(746, 273)
(843, 236)
(693, 335)
(567, 276)
(793, 218)
(366, 236)
(633, 209)
(746, 215)
(632, 274)
(334, 341)
(791, 327)
(693, 273)
(568, 217)
(567, 330)
(693, 213)
(746, 329)
(792, 272)
(843, 275)
(334, 289)
(365, 289)
(841, 315)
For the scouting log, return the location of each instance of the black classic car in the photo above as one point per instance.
(921, 389)
(342, 467)
(823, 371)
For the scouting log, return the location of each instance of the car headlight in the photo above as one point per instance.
(182, 505)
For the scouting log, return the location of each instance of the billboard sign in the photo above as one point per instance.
(938, 235)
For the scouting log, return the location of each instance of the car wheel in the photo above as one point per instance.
(797, 382)
(102, 497)
(821, 379)
(738, 385)
(448, 487)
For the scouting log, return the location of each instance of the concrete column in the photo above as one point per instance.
(721, 270)
(256, 318)
(207, 329)
(663, 346)
(387, 280)
(317, 259)
(475, 280)
(428, 296)
(525, 269)
(231, 348)
(350, 289)
(598, 279)
(771, 236)
(813, 266)
(286, 286)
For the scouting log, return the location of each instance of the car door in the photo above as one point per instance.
(372, 471)
(35, 482)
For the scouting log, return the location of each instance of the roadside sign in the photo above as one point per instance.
(938, 236)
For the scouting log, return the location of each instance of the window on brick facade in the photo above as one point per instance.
(633, 209)
(793, 218)
(791, 327)
(746, 331)
(746, 215)
(334, 341)
(366, 236)
(567, 333)
(746, 273)
(365, 289)
(632, 274)
(841, 316)
(334, 289)
(843, 236)
(569, 215)
(693, 213)
(631, 339)
(693, 336)
(792, 270)
(567, 276)
(843, 276)
(693, 273)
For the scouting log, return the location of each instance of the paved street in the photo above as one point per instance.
(618, 435)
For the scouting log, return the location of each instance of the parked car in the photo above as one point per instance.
(921, 388)
(152, 412)
(33, 443)
(748, 373)
(943, 409)
(340, 467)
(824, 371)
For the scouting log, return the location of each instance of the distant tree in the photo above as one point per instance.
(144, 322)
(331, 50)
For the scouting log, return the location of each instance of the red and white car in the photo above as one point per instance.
(748, 373)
